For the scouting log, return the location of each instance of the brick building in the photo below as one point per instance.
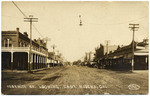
(15, 51)
(103, 50)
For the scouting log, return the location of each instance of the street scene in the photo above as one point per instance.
(74, 48)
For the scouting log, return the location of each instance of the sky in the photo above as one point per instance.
(60, 21)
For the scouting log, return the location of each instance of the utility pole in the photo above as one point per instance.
(90, 53)
(30, 19)
(90, 56)
(86, 58)
(107, 47)
(58, 57)
(53, 46)
(133, 27)
(46, 41)
(107, 43)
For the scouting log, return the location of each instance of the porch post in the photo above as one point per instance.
(8, 42)
(12, 60)
(34, 61)
(28, 61)
(4, 43)
(37, 62)
(31, 62)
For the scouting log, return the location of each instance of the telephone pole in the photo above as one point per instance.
(46, 41)
(107, 43)
(30, 19)
(86, 58)
(107, 50)
(53, 46)
(57, 57)
(133, 27)
(107, 47)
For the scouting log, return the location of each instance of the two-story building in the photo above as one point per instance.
(16, 48)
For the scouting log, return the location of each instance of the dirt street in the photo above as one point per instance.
(72, 80)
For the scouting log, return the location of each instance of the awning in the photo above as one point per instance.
(141, 54)
(140, 47)
(117, 56)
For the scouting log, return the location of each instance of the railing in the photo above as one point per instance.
(21, 48)
(15, 48)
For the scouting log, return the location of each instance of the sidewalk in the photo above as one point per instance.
(15, 71)
(141, 71)
(25, 71)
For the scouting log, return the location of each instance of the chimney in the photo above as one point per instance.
(17, 29)
(26, 34)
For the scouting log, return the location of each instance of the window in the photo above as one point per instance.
(7, 42)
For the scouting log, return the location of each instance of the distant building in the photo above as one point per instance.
(103, 50)
(109, 48)
(54, 60)
(15, 51)
(51, 59)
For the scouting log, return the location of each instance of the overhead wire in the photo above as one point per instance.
(85, 22)
(37, 30)
(19, 8)
(118, 23)
(26, 17)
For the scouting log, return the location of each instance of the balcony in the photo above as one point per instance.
(22, 49)
(16, 49)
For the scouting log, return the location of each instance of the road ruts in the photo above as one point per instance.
(81, 80)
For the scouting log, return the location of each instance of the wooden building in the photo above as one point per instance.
(121, 58)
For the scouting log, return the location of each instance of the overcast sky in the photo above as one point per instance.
(60, 22)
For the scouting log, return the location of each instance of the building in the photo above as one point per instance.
(121, 58)
(51, 59)
(15, 51)
(104, 50)
(54, 60)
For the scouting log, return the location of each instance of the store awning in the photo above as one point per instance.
(143, 52)
(117, 56)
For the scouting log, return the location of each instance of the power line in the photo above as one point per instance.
(37, 30)
(26, 17)
(21, 17)
(18, 8)
(119, 23)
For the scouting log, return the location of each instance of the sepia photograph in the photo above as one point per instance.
(74, 47)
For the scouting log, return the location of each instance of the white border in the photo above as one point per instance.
(72, 0)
